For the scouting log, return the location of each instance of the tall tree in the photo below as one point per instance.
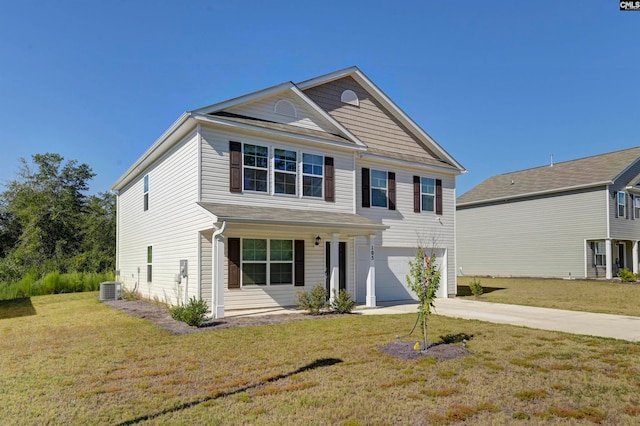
(47, 199)
(98, 234)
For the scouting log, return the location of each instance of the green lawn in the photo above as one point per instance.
(573, 295)
(68, 359)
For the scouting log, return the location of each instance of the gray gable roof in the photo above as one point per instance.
(582, 173)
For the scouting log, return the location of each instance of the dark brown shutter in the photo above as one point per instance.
(235, 166)
(391, 178)
(615, 201)
(366, 189)
(438, 196)
(299, 263)
(329, 180)
(416, 194)
(233, 256)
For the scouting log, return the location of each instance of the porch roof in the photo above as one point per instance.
(349, 223)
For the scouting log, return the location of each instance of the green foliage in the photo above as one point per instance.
(193, 313)
(48, 225)
(476, 287)
(424, 279)
(342, 302)
(53, 283)
(455, 338)
(626, 276)
(313, 301)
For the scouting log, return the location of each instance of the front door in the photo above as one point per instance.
(342, 266)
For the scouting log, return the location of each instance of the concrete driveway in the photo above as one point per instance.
(622, 327)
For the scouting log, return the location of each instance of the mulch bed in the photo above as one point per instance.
(159, 316)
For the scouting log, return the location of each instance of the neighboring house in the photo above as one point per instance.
(575, 219)
(248, 201)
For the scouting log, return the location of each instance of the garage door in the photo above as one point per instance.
(392, 266)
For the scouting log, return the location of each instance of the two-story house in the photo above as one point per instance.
(574, 219)
(248, 201)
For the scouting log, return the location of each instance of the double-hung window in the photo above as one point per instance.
(267, 262)
(428, 194)
(285, 166)
(599, 253)
(312, 175)
(636, 207)
(255, 161)
(379, 188)
(622, 197)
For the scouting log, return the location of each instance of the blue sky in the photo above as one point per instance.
(501, 85)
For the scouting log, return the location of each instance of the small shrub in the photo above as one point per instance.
(626, 276)
(130, 295)
(313, 301)
(193, 313)
(476, 287)
(342, 303)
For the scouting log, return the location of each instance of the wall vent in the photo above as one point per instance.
(110, 290)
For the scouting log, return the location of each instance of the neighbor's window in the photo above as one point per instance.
(312, 172)
(379, 186)
(255, 161)
(267, 262)
(599, 253)
(636, 207)
(149, 266)
(621, 204)
(428, 194)
(146, 192)
(285, 165)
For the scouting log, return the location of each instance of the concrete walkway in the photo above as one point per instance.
(622, 327)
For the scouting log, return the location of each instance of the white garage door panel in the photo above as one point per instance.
(392, 266)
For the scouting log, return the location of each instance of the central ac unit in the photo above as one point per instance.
(110, 290)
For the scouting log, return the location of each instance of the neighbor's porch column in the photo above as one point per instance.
(371, 274)
(634, 255)
(335, 262)
(217, 277)
(609, 257)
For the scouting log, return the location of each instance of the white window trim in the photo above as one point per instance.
(149, 264)
(386, 189)
(303, 174)
(422, 209)
(244, 167)
(268, 263)
(622, 204)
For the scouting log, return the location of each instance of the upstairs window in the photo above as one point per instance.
(285, 165)
(312, 175)
(146, 193)
(255, 161)
(636, 207)
(379, 188)
(428, 194)
(622, 197)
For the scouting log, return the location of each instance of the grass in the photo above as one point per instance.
(573, 295)
(76, 361)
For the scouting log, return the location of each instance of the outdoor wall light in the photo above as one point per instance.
(318, 239)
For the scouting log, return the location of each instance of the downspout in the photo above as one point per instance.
(214, 266)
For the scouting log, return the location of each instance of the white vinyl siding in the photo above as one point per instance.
(409, 229)
(215, 174)
(171, 225)
(541, 237)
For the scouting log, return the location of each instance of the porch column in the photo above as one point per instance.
(609, 257)
(371, 274)
(217, 277)
(335, 262)
(634, 255)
